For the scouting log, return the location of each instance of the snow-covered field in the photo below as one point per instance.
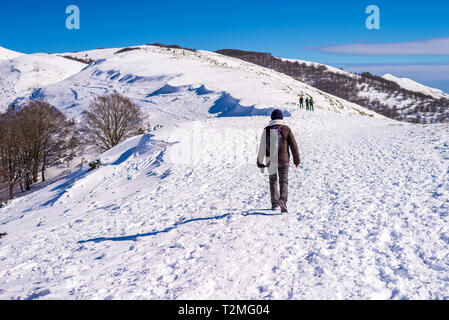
(369, 218)
(182, 213)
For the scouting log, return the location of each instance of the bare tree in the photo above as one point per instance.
(45, 131)
(111, 119)
(15, 160)
(31, 140)
(74, 146)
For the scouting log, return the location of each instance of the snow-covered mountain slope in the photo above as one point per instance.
(375, 93)
(168, 82)
(319, 65)
(21, 76)
(95, 54)
(182, 215)
(6, 54)
(411, 85)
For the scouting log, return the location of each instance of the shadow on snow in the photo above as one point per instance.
(62, 188)
(262, 212)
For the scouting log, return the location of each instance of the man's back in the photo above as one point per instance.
(277, 132)
(288, 144)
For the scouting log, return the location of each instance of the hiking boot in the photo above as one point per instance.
(283, 205)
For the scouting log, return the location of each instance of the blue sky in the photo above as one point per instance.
(323, 31)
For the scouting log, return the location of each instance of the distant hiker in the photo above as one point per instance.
(301, 102)
(307, 103)
(311, 104)
(275, 146)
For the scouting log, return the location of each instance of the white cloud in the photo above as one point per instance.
(424, 47)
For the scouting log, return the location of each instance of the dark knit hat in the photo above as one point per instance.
(277, 115)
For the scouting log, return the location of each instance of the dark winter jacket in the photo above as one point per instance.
(287, 144)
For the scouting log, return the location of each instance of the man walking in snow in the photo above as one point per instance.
(301, 102)
(275, 146)
(307, 103)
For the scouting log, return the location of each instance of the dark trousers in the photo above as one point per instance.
(283, 184)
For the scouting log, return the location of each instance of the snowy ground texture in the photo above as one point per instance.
(369, 219)
(182, 213)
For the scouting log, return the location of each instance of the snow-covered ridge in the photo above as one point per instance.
(411, 85)
(21, 76)
(405, 83)
(176, 79)
(6, 54)
(373, 92)
(316, 64)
